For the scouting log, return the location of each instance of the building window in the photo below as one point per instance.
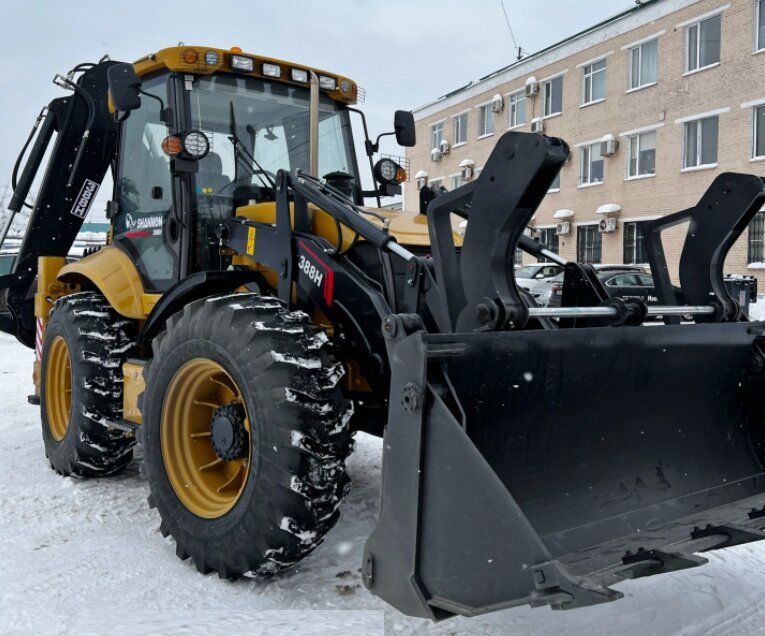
(518, 256)
(457, 181)
(485, 120)
(756, 251)
(589, 244)
(594, 78)
(553, 92)
(555, 185)
(591, 164)
(760, 25)
(517, 108)
(701, 142)
(642, 155)
(436, 135)
(758, 134)
(644, 64)
(634, 246)
(702, 43)
(549, 238)
(436, 184)
(460, 129)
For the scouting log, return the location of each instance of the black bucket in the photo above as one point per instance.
(533, 466)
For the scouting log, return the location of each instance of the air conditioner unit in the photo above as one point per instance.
(444, 147)
(537, 125)
(497, 103)
(563, 228)
(608, 225)
(608, 145)
(436, 154)
(467, 169)
(532, 86)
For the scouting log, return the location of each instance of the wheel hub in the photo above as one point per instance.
(228, 433)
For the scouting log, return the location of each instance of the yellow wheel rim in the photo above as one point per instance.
(58, 388)
(206, 484)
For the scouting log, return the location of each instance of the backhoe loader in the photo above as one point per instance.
(248, 314)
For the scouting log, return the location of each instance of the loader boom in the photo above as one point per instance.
(86, 136)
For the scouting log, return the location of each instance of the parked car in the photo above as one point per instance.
(624, 281)
(529, 276)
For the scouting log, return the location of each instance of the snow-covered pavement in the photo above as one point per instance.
(86, 557)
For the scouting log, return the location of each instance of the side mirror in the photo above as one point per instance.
(403, 124)
(124, 87)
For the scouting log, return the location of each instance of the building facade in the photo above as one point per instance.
(654, 103)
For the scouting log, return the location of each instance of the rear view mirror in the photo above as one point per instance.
(124, 87)
(403, 124)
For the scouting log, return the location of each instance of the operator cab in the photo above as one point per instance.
(254, 125)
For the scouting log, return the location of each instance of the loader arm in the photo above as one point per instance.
(86, 136)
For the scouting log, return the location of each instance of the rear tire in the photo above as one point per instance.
(86, 342)
(271, 502)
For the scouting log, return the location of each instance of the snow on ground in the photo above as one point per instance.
(86, 557)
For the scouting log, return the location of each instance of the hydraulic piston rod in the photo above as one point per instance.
(606, 312)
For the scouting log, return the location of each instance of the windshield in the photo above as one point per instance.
(527, 272)
(256, 128)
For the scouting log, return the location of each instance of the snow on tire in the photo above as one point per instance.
(275, 368)
(93, 341)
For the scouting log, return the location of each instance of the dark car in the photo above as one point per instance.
(620, 282)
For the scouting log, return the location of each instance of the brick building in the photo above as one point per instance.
(654, 103)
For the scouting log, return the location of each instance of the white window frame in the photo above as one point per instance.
(512, 110)
(696, 22)
(587, 148)
(548, 82)
(699, 143)
(552, 186)
(591, 75)
(637, 135)
(463, 129)
(755, 156)
(486, 114)
(630, 75)
(457, 180)
(758, 46)
(436, 145)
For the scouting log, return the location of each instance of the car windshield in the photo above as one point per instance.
(527, 272)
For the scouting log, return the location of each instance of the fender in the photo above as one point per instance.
(115, 275)
(194, 287)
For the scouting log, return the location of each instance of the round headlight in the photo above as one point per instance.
(388, 171)
(195, 144)
(211, 58)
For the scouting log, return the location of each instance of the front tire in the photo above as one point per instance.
(85, 344)
(245, 435)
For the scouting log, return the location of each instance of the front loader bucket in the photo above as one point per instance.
(541, 466)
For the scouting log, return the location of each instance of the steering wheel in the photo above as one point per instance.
(270, 177)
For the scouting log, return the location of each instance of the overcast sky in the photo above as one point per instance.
(405, 53)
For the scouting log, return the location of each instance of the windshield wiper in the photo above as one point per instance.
(264, 177)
